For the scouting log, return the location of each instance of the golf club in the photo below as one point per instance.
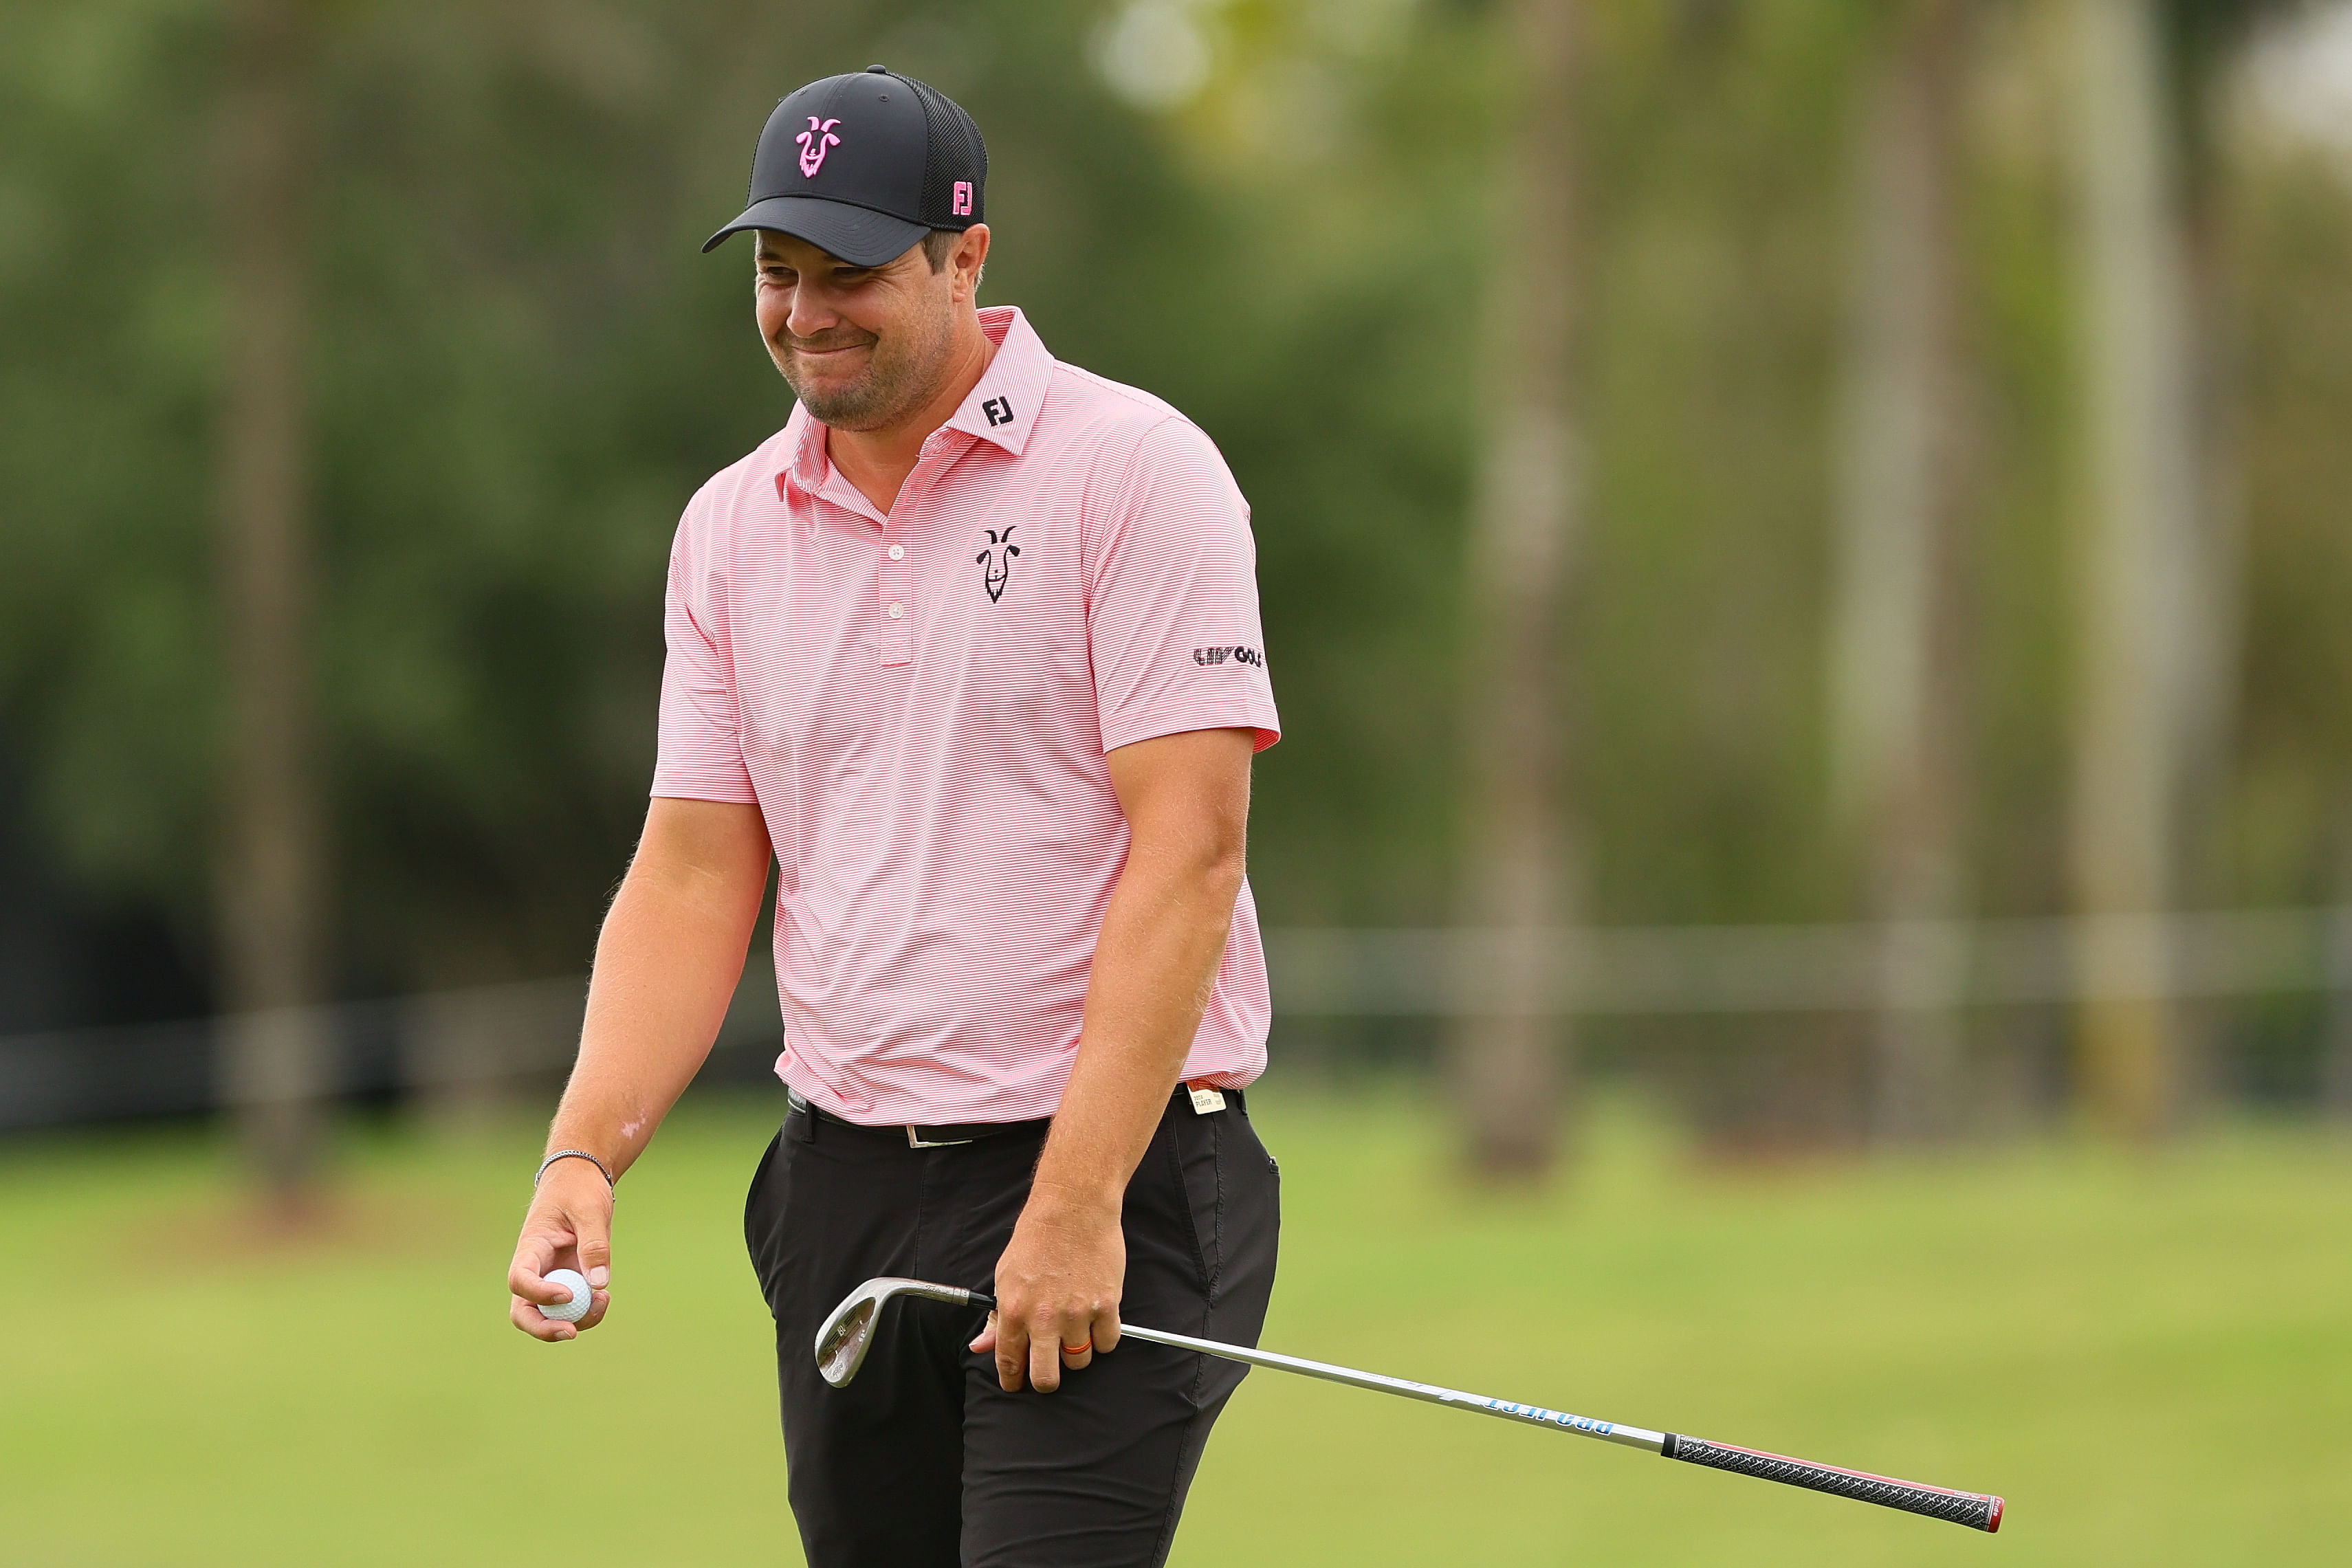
(848, 1333)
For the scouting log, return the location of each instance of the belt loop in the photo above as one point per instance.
(807, 1113)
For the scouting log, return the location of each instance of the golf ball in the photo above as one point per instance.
(573, 1311)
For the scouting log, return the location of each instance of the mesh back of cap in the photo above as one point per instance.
(952, 151)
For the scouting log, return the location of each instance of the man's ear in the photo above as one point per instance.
(967, 260)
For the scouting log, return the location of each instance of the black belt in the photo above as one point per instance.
(922, 1137)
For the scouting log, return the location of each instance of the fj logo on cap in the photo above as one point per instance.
(815, 142)
(960, 206)
(996, 562)
(999, 410)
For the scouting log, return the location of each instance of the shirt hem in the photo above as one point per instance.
(723, 794)
(1153, 724)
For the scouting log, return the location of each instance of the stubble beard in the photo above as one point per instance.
(901, 375)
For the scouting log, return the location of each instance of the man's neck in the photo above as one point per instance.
(879, 461)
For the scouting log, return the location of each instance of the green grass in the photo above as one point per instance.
(2152, 1359)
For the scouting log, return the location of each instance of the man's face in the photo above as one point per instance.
(863, 347)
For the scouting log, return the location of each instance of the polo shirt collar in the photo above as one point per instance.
(805, 435)
(1002, 409)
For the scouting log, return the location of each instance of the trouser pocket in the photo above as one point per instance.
(1231, 1195)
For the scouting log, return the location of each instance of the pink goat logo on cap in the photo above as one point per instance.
(816, 142)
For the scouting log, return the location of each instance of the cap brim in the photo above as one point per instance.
(858, 235)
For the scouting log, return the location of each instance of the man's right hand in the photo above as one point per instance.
(570, 1225)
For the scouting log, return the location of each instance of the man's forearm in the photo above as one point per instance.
(1155, 963)
(1186, 798)
(667, 963)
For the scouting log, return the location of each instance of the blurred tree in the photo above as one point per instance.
(2274, 225)
(1710, 304)
(1898, 767)
(1715, 145)
(2139, 576)
(2207, 48)
(2157, 576)
(272, 911)
(1517, 886)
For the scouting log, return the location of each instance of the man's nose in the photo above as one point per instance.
(812, 312)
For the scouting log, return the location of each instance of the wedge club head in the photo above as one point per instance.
(848, 1333)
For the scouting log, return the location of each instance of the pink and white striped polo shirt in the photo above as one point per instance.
(920, 705)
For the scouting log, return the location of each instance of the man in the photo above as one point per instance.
(970, 651)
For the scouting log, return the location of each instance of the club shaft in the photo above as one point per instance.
(1977, 1510)
(1534, 1415)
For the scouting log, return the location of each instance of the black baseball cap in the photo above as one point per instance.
(864, 165)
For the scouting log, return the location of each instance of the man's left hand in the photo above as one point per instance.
(1057, 1290)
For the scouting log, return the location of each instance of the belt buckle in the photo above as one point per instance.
(915, 1143)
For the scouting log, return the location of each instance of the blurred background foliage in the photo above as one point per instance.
(1276, 213)
(522, 368)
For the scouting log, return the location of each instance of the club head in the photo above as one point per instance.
(848, 1333)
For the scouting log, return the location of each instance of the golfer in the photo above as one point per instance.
(969, 652)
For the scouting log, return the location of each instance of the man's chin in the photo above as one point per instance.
(867, 397)
(842, 402)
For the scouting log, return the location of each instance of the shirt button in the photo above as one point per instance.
(896, 611)
(897, 552)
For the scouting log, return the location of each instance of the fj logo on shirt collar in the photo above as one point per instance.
(996, 562)
(999, 410)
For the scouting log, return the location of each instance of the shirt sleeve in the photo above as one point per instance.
(1172, 609)
(701, 752)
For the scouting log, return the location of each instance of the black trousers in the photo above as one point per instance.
(924, 1461)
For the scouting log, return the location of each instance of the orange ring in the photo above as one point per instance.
(1077, 1349)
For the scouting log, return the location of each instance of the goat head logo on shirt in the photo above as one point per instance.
(815, 142)
(996, 562)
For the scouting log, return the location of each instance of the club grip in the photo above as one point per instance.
(1974, 1510)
